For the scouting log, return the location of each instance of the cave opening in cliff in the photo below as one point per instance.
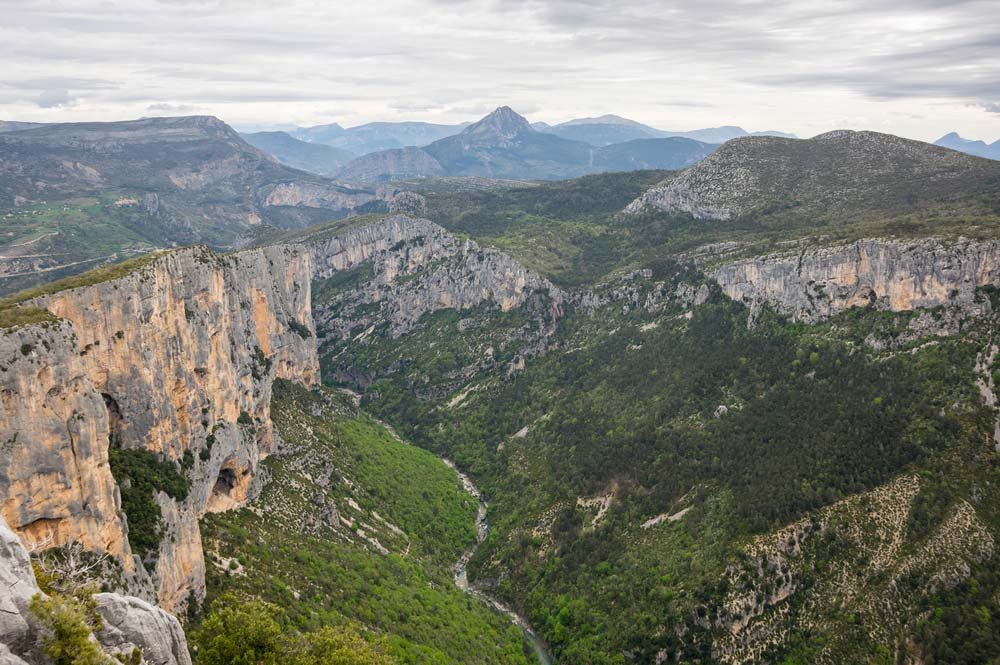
(232, 486)
(225, 483)
(114, 419)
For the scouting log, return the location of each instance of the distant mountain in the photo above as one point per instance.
(839, 176)
(14, 126)
(313, 157)
(605, 130)
(77, 194)
(608, 129)
(374, 136)
(978, 148)
(389, 165)
(505, 145)
(668, 153)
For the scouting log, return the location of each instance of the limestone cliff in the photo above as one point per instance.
(176, 357)
(895, 275)
(418, 267)
(313, 195)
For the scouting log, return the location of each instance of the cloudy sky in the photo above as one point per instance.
(917, 68)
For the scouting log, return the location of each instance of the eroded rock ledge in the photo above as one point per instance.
(441, 272)
(176, 358)
(895, 275)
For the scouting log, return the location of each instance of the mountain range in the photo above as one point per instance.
(608, 129)
(374, 136)
(978, 148)
(505, 145)
(74, 195)
(597, 131)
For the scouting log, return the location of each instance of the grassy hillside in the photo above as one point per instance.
(357, 527)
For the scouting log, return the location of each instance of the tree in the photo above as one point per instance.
(241, 632)
(66, 631)
(339, 646)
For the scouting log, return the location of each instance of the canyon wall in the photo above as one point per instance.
(894, 275)
(418, 267)
(177, 357)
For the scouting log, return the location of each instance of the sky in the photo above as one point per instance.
(916, 68)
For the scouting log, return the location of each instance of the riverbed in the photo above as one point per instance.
(462, 577)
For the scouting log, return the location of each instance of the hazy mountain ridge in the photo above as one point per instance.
(505, 145)
(608, 129)
(978, 148)
(313, 157)
(374, 136)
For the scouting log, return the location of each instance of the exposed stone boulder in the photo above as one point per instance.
(8, 658)
(17, 588)
(131, 622)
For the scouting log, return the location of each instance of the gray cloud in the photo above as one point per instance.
(55, 98)
(923, 65)
(164, 107)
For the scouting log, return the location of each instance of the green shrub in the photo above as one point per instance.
(147, 474)
(241, 632)
(66, 627)
(253, 632)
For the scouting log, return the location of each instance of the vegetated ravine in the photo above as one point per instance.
(462, 577)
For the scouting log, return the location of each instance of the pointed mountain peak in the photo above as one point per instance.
(502, 123)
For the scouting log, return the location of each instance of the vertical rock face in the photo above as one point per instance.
(887, 274)
(176, 358)
(419, 267)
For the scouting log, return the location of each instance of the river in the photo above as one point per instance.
(462, 577)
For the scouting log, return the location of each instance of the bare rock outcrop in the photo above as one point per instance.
(130, 623)
(313, 195)
(894, 275)
(17, 588)
(8, 658)
(176, 357)
(441, 272)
